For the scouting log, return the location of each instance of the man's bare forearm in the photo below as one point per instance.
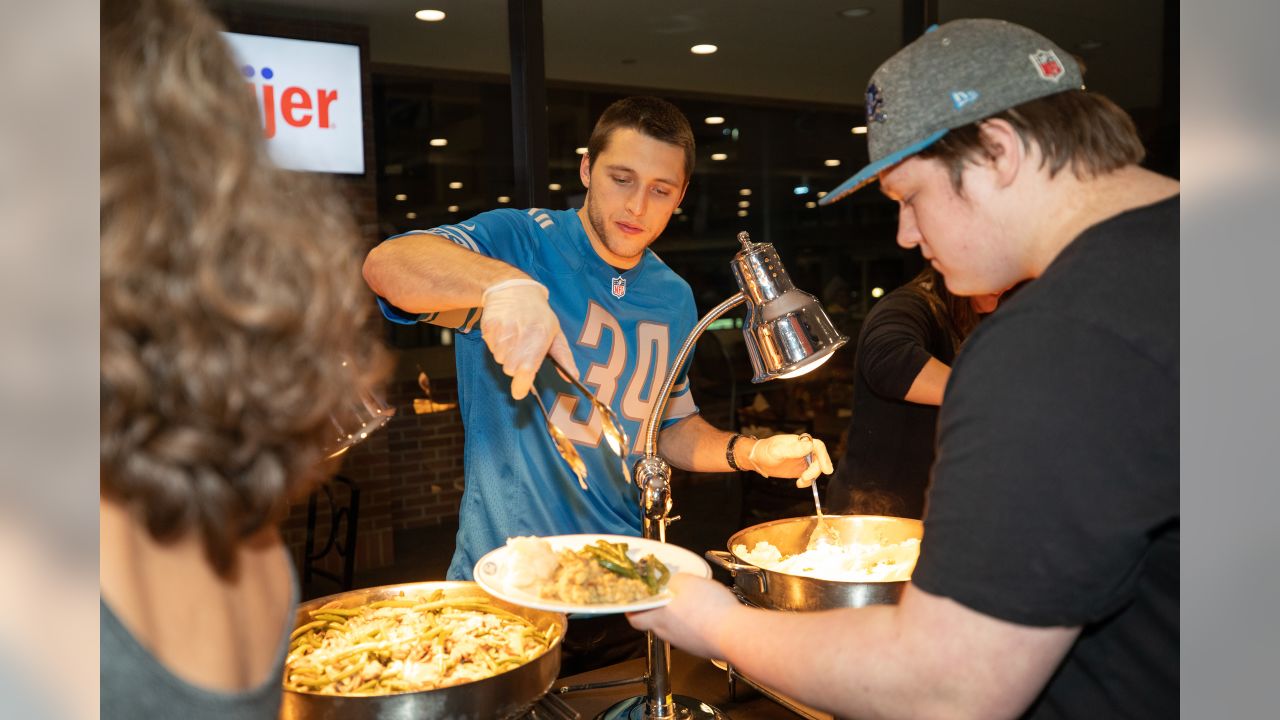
(928, 657)
(427, 273)
(694, 444)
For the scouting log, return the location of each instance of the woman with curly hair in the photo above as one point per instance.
(233, 325)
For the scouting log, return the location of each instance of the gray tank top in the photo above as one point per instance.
(135, 686)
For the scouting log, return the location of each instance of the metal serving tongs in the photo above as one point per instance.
(614, 435)
(563, 445)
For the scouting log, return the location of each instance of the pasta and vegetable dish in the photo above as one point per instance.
(408, 643)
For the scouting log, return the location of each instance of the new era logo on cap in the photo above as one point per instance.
(960, 98)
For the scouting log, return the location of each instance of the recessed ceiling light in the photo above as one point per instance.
(714, 120)
(455, 185)
(402, 197)
(411, 215)
(877, 292)
(744, 203)
(504, 199)
(831, 163)
(439, 142)
(453, 208)
(859, 130)
(800, 190)
(822, 194)
(744, 192)
(553, 187)
(705, 49)
(719, 156)
(742, 213)
(678, 211)
(855, 13)
(811, 204)
(580, 151)
(429, 15)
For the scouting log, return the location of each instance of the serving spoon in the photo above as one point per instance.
(823, 532)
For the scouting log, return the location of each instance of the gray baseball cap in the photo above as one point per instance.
(953, 75)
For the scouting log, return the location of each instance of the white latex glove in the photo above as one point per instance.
(794, 456)
(520, 329)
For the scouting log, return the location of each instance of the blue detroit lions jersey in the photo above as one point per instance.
(625, 330)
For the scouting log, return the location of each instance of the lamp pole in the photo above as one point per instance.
(787, 334)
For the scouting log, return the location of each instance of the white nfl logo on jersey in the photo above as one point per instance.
(619, 286)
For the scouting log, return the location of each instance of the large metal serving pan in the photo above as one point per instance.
(506, 695)
(779, 591)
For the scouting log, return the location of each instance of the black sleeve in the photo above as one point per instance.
(1057, 457)
(895, 343)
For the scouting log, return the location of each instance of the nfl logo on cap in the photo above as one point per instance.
(619, 286)
(1047, 64)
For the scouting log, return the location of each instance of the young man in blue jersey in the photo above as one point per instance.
(582, 286)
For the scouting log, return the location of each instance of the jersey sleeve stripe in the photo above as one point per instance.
(679, 407)
(473, 315)
(457, 236)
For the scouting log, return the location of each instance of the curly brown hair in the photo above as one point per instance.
(233, 315)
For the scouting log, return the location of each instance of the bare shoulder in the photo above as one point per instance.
(171, 600)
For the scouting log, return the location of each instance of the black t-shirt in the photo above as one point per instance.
(889, 447)
(1055, 493)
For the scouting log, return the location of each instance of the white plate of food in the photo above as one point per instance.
(585, 574)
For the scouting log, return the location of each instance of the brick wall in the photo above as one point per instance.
(409, 475)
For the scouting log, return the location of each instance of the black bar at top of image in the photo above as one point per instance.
(528, 103)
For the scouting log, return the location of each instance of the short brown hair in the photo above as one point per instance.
(230, 291)
(652, 116)
(1082, 130)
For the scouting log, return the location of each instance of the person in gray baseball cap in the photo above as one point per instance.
(1047, 582)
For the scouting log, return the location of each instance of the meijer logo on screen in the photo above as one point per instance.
(296, 106)
(309, 98)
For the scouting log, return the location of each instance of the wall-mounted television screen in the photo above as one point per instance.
(309, 96)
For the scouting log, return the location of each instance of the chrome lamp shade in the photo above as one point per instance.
(787, 332)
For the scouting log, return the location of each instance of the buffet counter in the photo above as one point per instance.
(691, 676)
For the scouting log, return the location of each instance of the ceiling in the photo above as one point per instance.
(801, 51)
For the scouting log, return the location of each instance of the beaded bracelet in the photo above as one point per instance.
(728, 451)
